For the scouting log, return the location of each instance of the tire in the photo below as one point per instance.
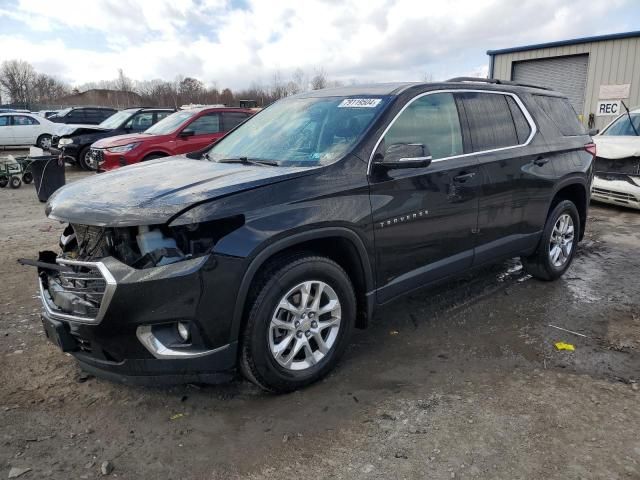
(541, 264)
(260, 338)
(83, 158)
(4, 181)
(27, 177)
(15, 182)
(44, 141)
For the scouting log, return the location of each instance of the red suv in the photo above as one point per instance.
(182, 132)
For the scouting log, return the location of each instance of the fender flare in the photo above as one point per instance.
(273, 249)
(566, 182)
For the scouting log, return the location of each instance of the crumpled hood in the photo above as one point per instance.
(153, 192)
(614, 147)
(122, 140)
(76, 129)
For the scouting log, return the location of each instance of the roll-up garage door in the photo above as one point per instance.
(567, 75)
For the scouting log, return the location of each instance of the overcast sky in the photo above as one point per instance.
(236, 42)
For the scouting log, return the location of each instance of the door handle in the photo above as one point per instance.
(463, 177)
(540, 161)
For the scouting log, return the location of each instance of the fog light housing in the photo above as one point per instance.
(183, 331)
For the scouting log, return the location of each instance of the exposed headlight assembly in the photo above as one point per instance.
(123, 148)
(65, 141)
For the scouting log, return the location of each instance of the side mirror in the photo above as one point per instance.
(594, 131)
(187, 133)
(405, 155)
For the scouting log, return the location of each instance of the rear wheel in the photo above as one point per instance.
(558, 243)
(299, 323)
(84, 159)
(4, 181)
(44, 141)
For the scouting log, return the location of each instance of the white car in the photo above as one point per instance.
(26, 129)
(617, 165)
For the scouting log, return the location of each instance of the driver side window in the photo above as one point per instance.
(206, 124)
(431, 120)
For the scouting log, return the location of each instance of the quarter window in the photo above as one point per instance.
(206, 125)
(4, 121)
(490, 120)
(431, 120)
(523, 129)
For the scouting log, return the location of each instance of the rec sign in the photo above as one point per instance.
(608, 107)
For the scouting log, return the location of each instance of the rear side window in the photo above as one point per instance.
(432, 121)
(491, 124)
(561, 113)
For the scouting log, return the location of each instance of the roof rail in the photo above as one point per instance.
(495, 81)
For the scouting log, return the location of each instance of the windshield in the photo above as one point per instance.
(117, 119)
(622, 126)
(61, 113)
(301, 131)
(170, 124)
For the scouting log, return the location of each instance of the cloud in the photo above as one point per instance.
(236, 43)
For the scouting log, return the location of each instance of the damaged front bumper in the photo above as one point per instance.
(120, 322)
(617, 189)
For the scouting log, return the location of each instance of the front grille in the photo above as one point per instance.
(76, 294)
(613, 195)
(97, 157)
(626, 166)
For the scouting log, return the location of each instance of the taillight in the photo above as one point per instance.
(591, 148)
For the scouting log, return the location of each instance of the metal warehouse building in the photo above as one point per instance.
(596, 73)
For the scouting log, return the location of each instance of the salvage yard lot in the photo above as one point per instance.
(457, 381)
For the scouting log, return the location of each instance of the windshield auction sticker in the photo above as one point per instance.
(359, 103)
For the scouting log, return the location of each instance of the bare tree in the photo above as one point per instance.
(278, 88)
(319, 80)
(123, 83)
(16, 78)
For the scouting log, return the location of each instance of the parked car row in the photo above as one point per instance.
(141, 134)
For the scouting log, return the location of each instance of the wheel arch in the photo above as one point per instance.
(575, 190)
(160, 154)
(340, 244)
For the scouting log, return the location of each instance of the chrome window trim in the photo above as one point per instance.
(109, 291)
(523, 108)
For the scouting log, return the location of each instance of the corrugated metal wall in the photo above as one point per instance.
(610, 62)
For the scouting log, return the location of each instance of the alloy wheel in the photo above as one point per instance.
(305, 325)
(561, 243)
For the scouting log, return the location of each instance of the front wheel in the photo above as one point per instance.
(558, 243)
(84, 159)
(299, 323)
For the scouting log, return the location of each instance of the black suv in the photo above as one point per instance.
(293, 228)
(82, 115)
(74, 143)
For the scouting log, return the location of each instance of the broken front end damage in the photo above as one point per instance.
(139, 304)
(617, 181)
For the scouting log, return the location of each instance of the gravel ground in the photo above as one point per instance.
(458, 381)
